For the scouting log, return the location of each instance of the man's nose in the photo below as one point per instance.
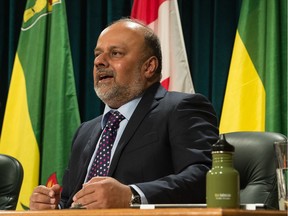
(101, 60)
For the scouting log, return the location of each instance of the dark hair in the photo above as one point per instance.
(151, 40)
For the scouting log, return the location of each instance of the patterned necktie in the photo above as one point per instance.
(100, 165)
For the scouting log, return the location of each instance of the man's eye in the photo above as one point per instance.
(116, 53)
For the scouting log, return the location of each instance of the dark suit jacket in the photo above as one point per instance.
(165, 148)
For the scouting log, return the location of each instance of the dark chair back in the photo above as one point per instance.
(255, 161)
(10, 182)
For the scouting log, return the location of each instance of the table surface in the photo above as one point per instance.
(148, 212)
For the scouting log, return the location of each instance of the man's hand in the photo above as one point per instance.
(103, 192)
(45, 198)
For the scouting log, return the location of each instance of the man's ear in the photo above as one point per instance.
(150, 66)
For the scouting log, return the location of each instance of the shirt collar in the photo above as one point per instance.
(126, 110)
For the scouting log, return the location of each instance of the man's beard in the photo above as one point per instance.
(118, 94)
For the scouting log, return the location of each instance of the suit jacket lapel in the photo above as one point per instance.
(87, 153)
(91, 144)
(148, 102)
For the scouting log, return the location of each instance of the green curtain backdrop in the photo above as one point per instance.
(209, 28)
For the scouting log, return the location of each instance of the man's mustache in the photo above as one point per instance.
(100, 73)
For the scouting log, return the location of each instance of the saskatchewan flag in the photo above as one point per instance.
(41, 113)
(256, 92)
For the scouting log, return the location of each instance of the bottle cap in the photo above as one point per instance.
(222, 145)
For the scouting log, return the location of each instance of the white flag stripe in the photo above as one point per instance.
(175, 63)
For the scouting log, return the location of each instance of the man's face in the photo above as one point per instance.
(118, 76)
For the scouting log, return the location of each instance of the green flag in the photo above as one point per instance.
(256, 92)
(41, 113)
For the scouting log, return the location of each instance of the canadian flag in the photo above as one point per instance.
(163, 17)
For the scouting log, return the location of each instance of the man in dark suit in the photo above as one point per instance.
(162, 149)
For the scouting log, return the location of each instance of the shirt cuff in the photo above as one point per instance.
(141, 194)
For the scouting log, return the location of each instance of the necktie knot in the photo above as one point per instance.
(114, 120)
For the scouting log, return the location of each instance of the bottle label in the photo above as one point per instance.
(223, 196)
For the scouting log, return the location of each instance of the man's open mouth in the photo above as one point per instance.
(103, 77)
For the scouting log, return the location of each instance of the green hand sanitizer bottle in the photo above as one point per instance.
(222, 181)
